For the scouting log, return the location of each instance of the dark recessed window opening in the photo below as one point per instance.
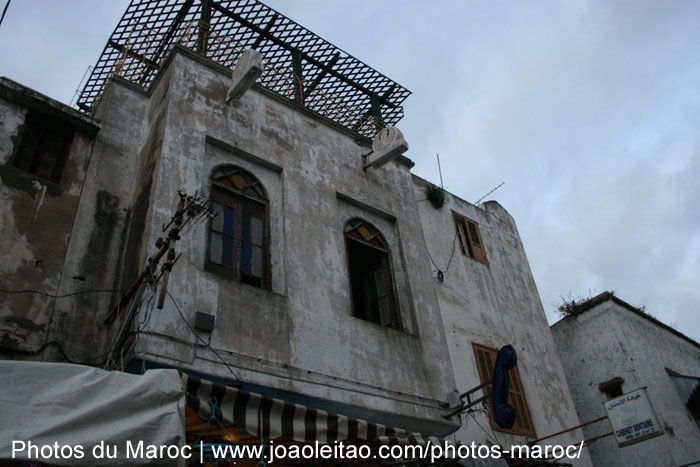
(613, 387)
(44, 144)
(371, 281)
(238, 240)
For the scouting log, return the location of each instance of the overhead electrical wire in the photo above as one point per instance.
(199, 338)
(4, 10)
(59, 345)
(80, 292)
(447, 268)
(61, 350)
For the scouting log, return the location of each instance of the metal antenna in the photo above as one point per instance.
(499, 186)
(440, 170)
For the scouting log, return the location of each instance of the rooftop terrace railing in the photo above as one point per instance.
(299, 65)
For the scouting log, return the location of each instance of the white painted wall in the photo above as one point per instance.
(610, 340)
(495, 305)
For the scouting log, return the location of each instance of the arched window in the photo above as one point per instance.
(238, 233)
(371, 280)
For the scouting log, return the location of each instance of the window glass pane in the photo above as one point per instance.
(382, 286)
(374, 314)
(224, 181)
(257, 261)
(227, 253)
(474, 232)
(228, 220)
(215, 248)
(217, 223)
(256, 230)
(364, 231)
(384, 315)
(372, 285)
(246, 253)
(460, 236)
(245, 232)
(238, 181)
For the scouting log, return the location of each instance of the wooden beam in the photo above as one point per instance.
(204, 27)
(172, 29)
(261, 37)
(133, 54)
(298, 77)
(320, 76)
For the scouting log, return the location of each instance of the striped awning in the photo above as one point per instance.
(269, 418)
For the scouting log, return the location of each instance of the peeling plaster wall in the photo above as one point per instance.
(36, 218)
(102, 222)
(495, 305)
(301, 335)
(609, 341)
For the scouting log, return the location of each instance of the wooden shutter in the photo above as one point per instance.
(485, 358)
(516, 398)
(475, 241)
(459, 227)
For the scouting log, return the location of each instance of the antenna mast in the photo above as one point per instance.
(499, 186)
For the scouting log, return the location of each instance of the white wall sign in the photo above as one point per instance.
(632, 418)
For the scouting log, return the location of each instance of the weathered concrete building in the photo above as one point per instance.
(241, 241)
(610, 348)
(488, 299)
(45, 152)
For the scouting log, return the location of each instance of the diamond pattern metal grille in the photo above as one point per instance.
(299, 65)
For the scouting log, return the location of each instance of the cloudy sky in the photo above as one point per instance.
(589, 110)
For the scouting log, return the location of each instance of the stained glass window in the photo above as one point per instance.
(238, 231)
(241, 181)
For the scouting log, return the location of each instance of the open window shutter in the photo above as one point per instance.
(516, 398)
(475, 241)
(385, 299)
(459, 226)
(382, 296)
(485, 358)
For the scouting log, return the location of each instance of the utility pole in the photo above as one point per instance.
(188, 208)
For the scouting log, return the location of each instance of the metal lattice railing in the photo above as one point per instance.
(299, 65)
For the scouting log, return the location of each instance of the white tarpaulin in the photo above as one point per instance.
(63, 410)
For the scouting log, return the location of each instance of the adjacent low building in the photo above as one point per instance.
(610, 348)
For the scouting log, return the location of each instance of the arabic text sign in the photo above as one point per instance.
(632, 418)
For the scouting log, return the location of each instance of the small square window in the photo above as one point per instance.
(613, 387)
(44, 144)
(470, 243)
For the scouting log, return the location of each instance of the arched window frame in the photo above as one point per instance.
(234, 238)
(370, 274)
